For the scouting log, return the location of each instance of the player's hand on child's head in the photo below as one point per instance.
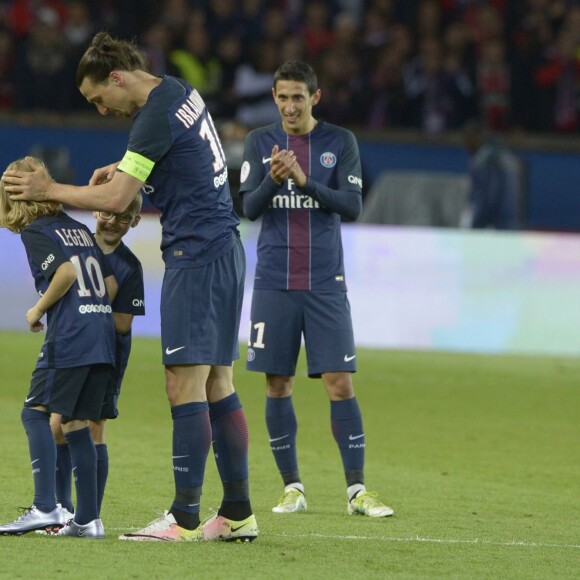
(28, 185)
(103, 174)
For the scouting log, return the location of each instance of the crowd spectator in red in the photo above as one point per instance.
(316, 27)
(7, 63)
(560, 76)
(494, 85)
(511, 62)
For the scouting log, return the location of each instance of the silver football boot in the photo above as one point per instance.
(33, 519)
(93, 530)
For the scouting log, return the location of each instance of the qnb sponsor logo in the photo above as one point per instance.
(293, 201)
(49, 260)
(138, 302)
(220, 179)
(95, 309)
(355, 180)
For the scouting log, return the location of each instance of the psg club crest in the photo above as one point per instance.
(251, 355)
(328, 159)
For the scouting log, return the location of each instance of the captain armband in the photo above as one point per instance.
(136, 165)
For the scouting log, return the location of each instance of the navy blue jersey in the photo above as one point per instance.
(189, 179)
(130, 299)
(300, 246)
(80, 329)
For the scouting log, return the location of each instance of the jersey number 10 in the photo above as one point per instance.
(91, 269)
(208, 133)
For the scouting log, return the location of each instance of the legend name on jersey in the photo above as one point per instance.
(74, 237)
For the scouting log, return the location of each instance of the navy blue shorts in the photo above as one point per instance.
(201, 310)
(110, 409)
(75, 393)
(279, 320)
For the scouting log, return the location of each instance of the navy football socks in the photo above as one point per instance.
(347, 429)
(84, 461)
(282, 429)
(191, 444)
(64, 477)
(102, 472)
(42, 457)
(230, 444)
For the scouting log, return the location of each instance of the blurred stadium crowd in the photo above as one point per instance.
(422, 64)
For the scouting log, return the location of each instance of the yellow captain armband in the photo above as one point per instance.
(136, 165)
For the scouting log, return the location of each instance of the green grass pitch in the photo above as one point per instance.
(478, 455)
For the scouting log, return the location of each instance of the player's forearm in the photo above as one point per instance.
(347, 204)
(112, 287)
(89, 197)
(257, 201)
(123, 322)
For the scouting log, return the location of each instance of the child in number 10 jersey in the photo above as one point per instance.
(74, 284)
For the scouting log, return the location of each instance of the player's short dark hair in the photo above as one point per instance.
(106, 54)
(299, 71)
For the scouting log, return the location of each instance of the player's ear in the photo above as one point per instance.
(136, 220)
(316, 97)
(116, 78)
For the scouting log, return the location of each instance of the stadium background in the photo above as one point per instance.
(474, 452)
(430, 298)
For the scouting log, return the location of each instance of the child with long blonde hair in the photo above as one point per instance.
(75, 361)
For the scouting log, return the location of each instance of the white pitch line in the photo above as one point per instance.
(418, 539)
(415, 539)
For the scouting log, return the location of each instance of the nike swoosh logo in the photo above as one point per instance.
(239, 527)
(265, 160)
(33, 462)
(349, 358)
(278, 438)
(172, 350)
(28, 399)
(84, 531)
(179, 456)
(353, 437)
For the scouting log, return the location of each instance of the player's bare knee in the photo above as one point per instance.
(74, 425)
(219, 383)
(278, 386)
(338, 386)
(98, 431)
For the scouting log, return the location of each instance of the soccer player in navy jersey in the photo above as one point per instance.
(175, 157)
(302, 175)
(75, 361)
(129, 302)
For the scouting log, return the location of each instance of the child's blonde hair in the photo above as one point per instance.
(135, 206)
(15, 215)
